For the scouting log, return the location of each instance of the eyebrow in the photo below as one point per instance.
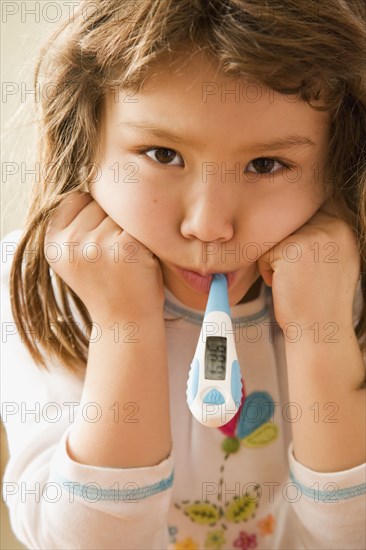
(288, 142)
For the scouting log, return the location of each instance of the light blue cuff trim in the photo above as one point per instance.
(92, 492)
(333, 494)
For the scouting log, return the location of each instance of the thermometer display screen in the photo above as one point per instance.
(215, 358)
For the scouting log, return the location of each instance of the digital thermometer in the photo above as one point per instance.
(214, 387)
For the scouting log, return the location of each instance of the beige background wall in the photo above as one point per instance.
(25, 26)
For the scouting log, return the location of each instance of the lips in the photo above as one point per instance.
(202, 282)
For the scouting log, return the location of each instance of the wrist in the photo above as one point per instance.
(337, 362)
(139, 315)
(314, 334)
(126, 328)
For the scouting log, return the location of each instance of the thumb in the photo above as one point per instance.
(265, 268)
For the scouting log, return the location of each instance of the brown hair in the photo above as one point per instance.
(315, 50)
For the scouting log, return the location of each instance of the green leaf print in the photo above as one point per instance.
(203, 513)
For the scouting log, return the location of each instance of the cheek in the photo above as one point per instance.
(115, 192)
(135, 207)
(281, 215)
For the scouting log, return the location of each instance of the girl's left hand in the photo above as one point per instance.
(314, 271)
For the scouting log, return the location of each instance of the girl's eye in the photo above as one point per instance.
(263, 165)
(163, 155)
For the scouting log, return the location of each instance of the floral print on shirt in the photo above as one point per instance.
(250, 427)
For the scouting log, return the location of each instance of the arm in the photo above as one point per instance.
(324, 373)
(317, 294)
(326, 454)
(119, 371)
(53, 501)
(132, 372)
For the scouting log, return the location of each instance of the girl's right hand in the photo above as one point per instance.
(114, 275)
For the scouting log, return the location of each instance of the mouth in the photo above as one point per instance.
(201, 281)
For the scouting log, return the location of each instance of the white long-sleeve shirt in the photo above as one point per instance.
(245, 492)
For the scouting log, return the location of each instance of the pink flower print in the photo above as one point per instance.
(245, 541)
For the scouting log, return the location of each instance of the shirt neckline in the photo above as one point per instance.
(254, 311)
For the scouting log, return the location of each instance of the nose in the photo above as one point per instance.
(209, 212)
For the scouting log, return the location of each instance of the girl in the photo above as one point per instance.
(182, 139)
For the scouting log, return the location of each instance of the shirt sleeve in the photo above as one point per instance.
(330, 506)
(53, 501)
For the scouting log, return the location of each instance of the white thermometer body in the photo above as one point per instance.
(214, 387)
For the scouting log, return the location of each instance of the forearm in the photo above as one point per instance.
(125, 372)
(321, 373)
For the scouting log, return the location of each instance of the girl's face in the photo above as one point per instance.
(217, 195)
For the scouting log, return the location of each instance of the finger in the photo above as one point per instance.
(89, 217)
(267, 276)
(67, 211)
(265, 267)
(108, 226)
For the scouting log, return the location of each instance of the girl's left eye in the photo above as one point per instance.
(165, 157)
(262, 164)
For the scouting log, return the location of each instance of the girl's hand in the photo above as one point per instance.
(114, 275)
(314, 271)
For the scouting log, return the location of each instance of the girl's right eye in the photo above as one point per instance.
(163, 155)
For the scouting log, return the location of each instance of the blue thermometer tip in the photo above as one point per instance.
(218, 299)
